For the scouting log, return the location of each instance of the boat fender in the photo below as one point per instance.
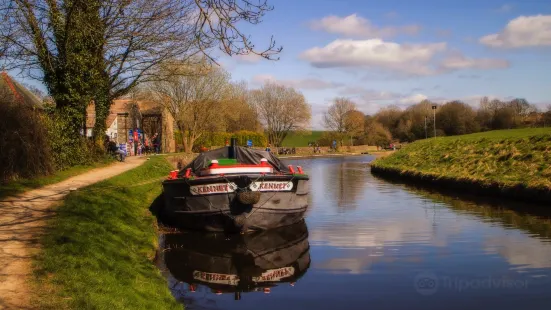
(249, 197)
(291, 169)
(299, 168)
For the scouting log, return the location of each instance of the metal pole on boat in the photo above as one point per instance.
(231, 150)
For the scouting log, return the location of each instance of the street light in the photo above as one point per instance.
(434, 112)
(426, 136)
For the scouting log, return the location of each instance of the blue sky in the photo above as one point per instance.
(397, 52)
(381, 53)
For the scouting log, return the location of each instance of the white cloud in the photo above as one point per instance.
(248, 58)
(307, 83)
(413, 99)
(407, 58)
(459, 61)
(368, 94)
(505, 8)
(523, 31)
(359, 27)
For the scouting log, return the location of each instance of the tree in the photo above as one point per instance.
(547, 117)
(193, 95)
(335, 117)
(354, 124)
(100, 50)
(239, 114)
(376, 133)
(389, 117)
(281, 109)
(457, 118)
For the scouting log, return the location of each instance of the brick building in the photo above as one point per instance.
(126, 114)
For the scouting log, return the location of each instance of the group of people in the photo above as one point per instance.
(148, 146)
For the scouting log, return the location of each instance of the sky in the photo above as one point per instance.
(399, 52)
(380, 53)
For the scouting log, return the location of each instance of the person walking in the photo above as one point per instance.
(156, 143)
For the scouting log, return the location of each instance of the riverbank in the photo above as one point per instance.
(504, 163)
(22, 221)
(378, 154)
(98, 249)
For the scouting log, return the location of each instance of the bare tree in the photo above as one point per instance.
(193, 95)
(101, 49)
(335, 118)
(281, 109)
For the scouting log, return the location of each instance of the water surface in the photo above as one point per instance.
(371, 244)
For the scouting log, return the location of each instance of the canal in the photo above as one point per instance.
(368, 243)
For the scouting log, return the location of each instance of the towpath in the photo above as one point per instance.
(22, 220)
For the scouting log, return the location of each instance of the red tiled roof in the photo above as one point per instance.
(21, 94)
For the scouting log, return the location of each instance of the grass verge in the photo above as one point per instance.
(98, 251)
(512, 163)
(23, 185)
(295, 139)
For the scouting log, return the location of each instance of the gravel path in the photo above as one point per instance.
(22, 220)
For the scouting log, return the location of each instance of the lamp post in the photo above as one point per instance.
(434, 113)
(426, 136)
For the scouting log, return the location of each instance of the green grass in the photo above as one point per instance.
(23, 185)
(300, 140)
(98, 250)
(508, 158)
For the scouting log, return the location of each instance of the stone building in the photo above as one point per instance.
(126, 114)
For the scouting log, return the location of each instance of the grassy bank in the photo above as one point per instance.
(294, 139)
(512, 163)
(23, 185)
(97, 251)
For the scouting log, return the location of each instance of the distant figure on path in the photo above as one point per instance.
(156, 143)
(268, 149)
(115, 150)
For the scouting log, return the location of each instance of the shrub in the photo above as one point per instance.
(24, 148)
(66, 150)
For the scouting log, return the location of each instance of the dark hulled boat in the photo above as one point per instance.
(236, 263)
(235, 189)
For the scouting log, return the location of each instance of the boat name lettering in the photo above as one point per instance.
(275, 275)
(272, 186)
(219, 278)
(213, 188)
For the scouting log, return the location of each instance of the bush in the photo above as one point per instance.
(36, 142)
(66, 150)
(24, 148)
(211, 139)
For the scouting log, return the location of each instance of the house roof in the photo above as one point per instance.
(18, 92)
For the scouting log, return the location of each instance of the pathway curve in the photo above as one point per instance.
(22, 219)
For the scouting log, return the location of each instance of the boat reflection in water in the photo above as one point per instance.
(236, 263)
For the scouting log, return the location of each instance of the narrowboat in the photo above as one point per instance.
(235, 263)
(235, 189)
